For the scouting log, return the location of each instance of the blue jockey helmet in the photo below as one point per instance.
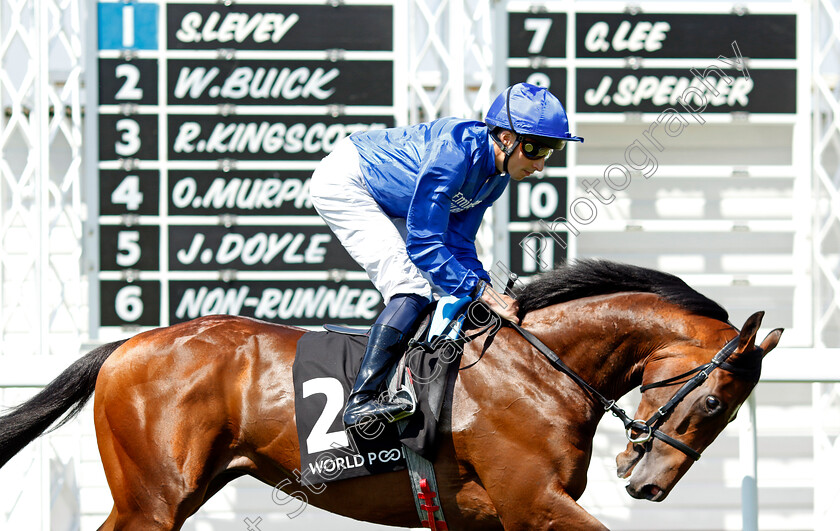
(531, 111)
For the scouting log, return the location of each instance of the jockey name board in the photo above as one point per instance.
(211, 119)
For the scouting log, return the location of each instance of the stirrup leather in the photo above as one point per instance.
(401, 388)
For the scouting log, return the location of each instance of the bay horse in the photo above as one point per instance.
(181, 411)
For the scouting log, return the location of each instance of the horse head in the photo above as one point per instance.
(691, 390)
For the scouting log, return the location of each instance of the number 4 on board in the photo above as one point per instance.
(128, 193)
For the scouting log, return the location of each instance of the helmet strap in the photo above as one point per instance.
(507, 150)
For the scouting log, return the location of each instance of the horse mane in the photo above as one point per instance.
(589, 277)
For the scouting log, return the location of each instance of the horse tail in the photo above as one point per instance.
(71, 389)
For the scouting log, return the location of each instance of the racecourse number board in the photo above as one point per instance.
(211, 120)
(629, 63)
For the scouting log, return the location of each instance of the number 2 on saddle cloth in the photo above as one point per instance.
(421, 376)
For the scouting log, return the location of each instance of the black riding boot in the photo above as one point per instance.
(382, 351)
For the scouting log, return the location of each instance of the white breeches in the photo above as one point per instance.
(375, 240)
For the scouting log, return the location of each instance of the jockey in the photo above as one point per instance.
(407, 202)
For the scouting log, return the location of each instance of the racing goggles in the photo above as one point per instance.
(535, 150)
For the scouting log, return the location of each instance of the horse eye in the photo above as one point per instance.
(712, 404)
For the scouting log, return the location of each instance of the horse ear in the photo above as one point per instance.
(771, 340)
(746, 342)
(747, 357)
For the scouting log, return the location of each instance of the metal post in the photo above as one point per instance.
(501, 214)
(40, 214)
(45, 494)
(90, 236)
(457, 99)
(749, 464)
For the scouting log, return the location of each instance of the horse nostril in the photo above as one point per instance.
(651, 492)
(648, 492)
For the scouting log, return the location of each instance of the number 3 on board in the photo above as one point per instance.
(129, 142)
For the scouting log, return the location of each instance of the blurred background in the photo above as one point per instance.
(154, 167)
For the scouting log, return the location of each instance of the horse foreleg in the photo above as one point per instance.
(544, 509)
(110, 523)
(134, 521)
(534, 500)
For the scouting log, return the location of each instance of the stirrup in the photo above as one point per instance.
(365, 417)
(405, 396)
(400, 388)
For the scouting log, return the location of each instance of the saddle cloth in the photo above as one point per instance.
(324, 370)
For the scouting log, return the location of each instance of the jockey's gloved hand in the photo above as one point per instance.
(500, 303)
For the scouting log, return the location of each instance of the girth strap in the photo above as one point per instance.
(424, 485)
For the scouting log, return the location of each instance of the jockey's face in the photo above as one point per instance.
(519, 166)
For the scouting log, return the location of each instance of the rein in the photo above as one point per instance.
(648, 428)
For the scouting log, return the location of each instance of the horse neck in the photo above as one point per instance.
(607, 339)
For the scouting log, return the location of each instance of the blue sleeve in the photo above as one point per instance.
(463, 228)
(460, 240)
(441, 176)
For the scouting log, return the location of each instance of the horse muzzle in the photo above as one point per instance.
(648, 491)
(639, 485)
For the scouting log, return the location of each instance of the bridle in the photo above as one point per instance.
(649, 428)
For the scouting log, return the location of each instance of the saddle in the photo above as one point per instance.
(439, 339)
(325, 367)
(326, 364)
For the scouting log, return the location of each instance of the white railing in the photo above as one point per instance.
(41, 205)
(819, 367)
(826, 187)
(45, 495)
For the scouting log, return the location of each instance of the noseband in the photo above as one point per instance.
(648, 428)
